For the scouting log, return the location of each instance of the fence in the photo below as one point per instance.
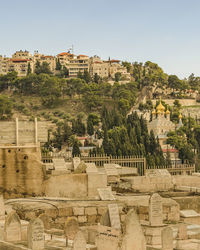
(99, 160)
(179, 169)
(124, 161)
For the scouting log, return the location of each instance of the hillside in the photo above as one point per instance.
(85, 106)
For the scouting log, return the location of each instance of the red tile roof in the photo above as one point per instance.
(48, 56)
(82, 56)
(171, 150)
(65, 53)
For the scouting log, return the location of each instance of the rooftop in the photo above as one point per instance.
(65, 53)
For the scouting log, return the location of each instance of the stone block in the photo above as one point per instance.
(166, 209)
(193, 189)
(153, 240)
(78, 210)
(153, 231)
(90, 211)
(95, 181)
(102, 210)
(82, 219)
(92, 218)
(65, 212)
(53, 213)
(143, 210)
(156, 240)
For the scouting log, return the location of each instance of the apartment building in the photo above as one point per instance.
(64, 58)
(19, 63)
(22, 55)
(11, 64)
(78, 64)
(107, 68)
(3, 65)
(51, 60)
(74, 64)
(97, 66)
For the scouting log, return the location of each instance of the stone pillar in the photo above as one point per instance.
(17, 131)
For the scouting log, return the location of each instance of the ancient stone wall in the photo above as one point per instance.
(171, 212)
(68, 185)
(189, 202)
(21, 172)
(86, 212)
(185, 180)
(150, 184)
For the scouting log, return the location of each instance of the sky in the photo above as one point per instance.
(162, 31)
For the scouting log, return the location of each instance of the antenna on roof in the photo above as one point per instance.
(71, 49)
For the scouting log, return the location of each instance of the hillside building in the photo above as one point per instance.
(107, 68)
(51, 60)
(19, 63)
(161, 124)
(75, 64)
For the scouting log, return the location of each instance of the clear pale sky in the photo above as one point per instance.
(163, 31)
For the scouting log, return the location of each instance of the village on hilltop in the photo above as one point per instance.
(22, 61)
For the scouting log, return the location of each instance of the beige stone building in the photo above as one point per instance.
(64, 58)
(78, 64)
(107, 68)
(19, 63)
(51, 60)
(15, 64)
(3, 65)
(22, 55)
(75, 64)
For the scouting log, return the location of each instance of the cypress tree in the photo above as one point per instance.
(29, 69)
(75, 149)
(90, 128)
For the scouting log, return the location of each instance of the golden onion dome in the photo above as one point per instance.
(167, 111)
(160, 107)
(154, 112)
(180, 116)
